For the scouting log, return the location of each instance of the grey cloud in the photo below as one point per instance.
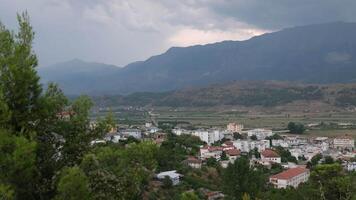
(275, 14)
(122, 31)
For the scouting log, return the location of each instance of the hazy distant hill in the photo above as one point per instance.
(324, 53)
(241, 93)
(79, 77)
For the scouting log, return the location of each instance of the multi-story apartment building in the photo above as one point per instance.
(291, 177)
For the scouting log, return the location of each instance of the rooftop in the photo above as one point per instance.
(269, 153)
(233, 152)
(290, 173)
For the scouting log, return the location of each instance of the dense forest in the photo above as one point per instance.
(46, 151)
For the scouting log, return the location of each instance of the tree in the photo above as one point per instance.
(239, 178)
(331, 182)
(296, 128)
(17, 161)
(286, 155)
(167, 182)
(211, 162)
(238, 136)
(254, 152)
(18, 77)
(73, 185)
(223, 156)
(328, 160)
(253, 137)
(315, 159)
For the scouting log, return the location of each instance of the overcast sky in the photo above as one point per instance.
(122, 31)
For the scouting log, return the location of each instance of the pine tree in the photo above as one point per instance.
(18, 77)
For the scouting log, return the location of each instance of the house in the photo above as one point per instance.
(214, 195)
(281, 143)
(172, 175)
(211, 152)
(193, 162)
(233, 154)
(350, 166)
(260, 133)
(234, 127)
(344, 142)
(136, 133)
(113, 137)
(228, 145)
(291, 177)
(269, 155)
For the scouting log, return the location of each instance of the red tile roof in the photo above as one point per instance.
(233, 152)
(269, 153)
(192, 159)
(290, 173)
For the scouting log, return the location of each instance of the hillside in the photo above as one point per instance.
(79, 77)
(245, 93)
(324, 53)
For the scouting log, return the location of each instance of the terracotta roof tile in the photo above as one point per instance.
(233, 152)
(290, 173)
(269, 153)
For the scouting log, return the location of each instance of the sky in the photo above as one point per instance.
(123, 31)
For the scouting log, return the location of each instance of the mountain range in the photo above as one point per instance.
(321, 53)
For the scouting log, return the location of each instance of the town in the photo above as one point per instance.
(294, 154)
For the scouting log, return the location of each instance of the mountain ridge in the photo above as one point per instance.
(321, 53)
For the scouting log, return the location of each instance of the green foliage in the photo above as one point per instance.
(238, 136)
(332, 183)
(174, 150)
(223, 156)
(328, 160)
(296, 128)
(18, 77)
(253, 137)
(73, 185)
(6, 192)
(254, 152)
(285, 154)
(120, 173)
(189, 196)
(17, 161)
(315, 159)
(167, 182)
(211, 162)
(239, 178)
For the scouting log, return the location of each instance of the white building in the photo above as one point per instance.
(248, 145)
(350, 166)
(344, 142)
(193, 162)
(260, 133)
(269, 155)
(234, 127)
(210, 152)
(179, 131)
(173, 175)
(136, 133)
(291, 177)
(209, 136)
(281, 143)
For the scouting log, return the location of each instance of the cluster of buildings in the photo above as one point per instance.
(261, 141)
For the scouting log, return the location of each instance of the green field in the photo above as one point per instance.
(216, 118)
